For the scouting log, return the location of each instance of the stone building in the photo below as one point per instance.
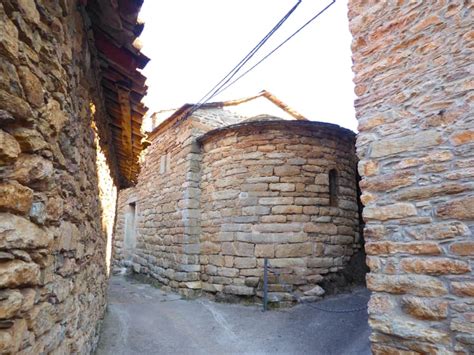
(70, 112)
(218, 193)
(69, 137)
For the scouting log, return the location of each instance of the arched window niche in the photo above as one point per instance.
(333, 187)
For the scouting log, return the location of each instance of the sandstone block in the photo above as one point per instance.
(323, 228)
(273, 219)
(287, 170)
(10, 303)
(228, 272)
(423, 308)
(238, 249)
(462, 209)
(15, 197)
(32, 170)
(403, 328)
(293, 250)
(418, 248)
(384, 213)
(434, 266)
(418, 285)
(19, 233)
(277, 227)
(463, 137)
(388, 182)
(409, 143)
(276, 200)
(32, 86)
(245, 263)
(255, 210)
(287, 209)
(239, 290)
(463, 289)
(439, 231)
(282, 187)
(16, 273)
(265, 250)
(287, 262)
(321, 262)
(9, 147)
(462, 248)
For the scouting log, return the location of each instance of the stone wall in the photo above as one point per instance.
(166, 202)
(53, 230)
(414, 80)
(265, 193)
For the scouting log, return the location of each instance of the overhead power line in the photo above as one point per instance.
(216, 89)
(275, 49)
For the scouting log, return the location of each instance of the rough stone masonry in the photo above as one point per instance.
(57, 180)
(211, 204)
(413, 65)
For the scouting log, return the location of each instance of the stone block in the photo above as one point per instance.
(17, 273)
(287, 209)
(394, 211)
(408, 143)
(19, 233)
(264, 250)
(434, 266)
(423, 308)
(286, 187)
(418, 285)
(276, 200)
(462, 209)
(322, 228)
(239, 290)
(245, 263)
(15, 197)
(287, 262)
(293, 250)
(9, 147)
(238, 249)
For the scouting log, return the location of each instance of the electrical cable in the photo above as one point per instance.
(213, 92)
(276, 48)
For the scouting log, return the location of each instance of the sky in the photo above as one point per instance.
(193, 44)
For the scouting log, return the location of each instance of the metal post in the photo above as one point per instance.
(265, 283)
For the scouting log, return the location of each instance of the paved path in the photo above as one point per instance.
(142, 319)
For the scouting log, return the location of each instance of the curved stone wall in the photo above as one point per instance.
(265, 193)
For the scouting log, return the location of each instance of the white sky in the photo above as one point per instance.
(194, 43)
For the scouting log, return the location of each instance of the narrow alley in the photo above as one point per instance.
(142, 319)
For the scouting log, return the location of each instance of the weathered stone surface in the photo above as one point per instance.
(239, 290)
(394, 211)
(293, 250)
(463, 248)
(419, 248)
(32, 170)
(422, 308)
(32, 86)
(462, 209)
(418, 285)
(465, 289)
(463, 137)
(16, 273)
(18, 233)
(15, 197)
(434, 266)
(10, 303)
(405, 144)
(9, 147)
(408, 329)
